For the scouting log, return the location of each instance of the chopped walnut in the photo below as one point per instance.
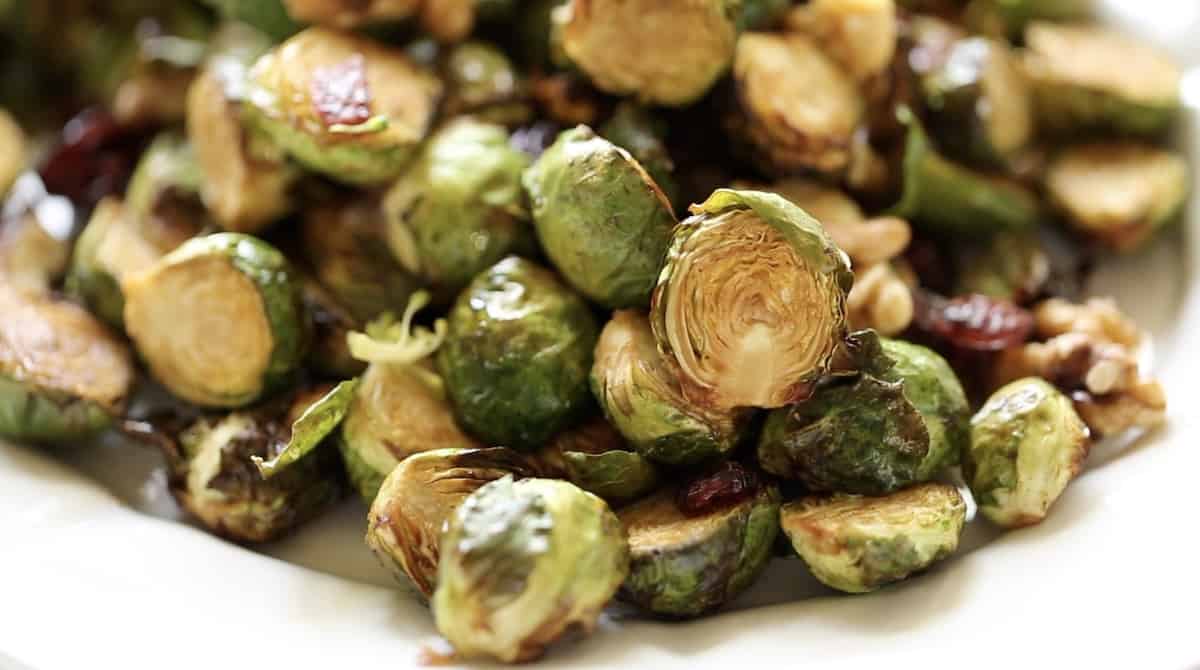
(1143, 406)
(1099, 317)
(1071, 361)
(880, 299)
(860, 35)
(870, 242)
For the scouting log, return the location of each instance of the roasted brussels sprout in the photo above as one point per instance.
(1118, 193)
(1008, 266)
(979, 102)
(219, 320)
(346, 246)
(857, 544)
(12, 151)
(900, 419)
(942, 197)
(269, 16)
(166, 184)
(632, 128)
(517, 356)
(859, 34)
(400, 406)
(1089, 78)
(481, 81)
(350, 13)
(685, 565)
(341, 105)
(1008, 18)
(1027, 444)
(600, 217)
(404, 526)
(796, 109)
(521, 563)
(595, 457)
(751, 302)
(108, 249)
(35, 235)
(213, 472)
(664, 53)
(640, 393)
(246, 178)
(459, 208)
(63, 375)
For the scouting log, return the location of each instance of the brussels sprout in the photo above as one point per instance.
(521, 563)
(213, 472)
(1009, 266)
(683, 565)
(63, 375)
(1027, 444)
(979, 101)
(35, 235)
(404, 526)
(901, 419)
(12, 151)
(108, 248)
(269, 16)
(751, 302)
(663, 52)
(640, 393)
(246, 179)
(400, 407)
(796, 109)
(459, 209)
(943, 197)
(517, 357)
(346, 247)
(342, 105)
(858, 544)
(219, 320)
(860, 35)
(594, 457)
(330, 353)
(481, 81)
(600, 217)
(166, 184)
(350, 13)
(1008, 18)
(633, 129)
(1089, 78)
(1119, 193)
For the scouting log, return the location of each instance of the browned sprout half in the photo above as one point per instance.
(859, 34)
(664, 52)
(751, 302)
(796, 108)
(1118, 193)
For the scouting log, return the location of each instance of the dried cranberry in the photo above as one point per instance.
(340, 94)
(973, 322)
(94, 158)
(728, 484)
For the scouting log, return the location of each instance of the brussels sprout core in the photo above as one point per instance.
(751, 303)
(523, 562)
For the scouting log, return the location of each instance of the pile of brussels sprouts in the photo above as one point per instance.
(565, 290)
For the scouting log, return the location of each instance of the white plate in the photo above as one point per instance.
(96, 572)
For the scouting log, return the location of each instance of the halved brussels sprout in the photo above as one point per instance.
(595, 457)
(1008, 18)
(63, 375)
(600, 217)
(1119, 193)
(684, 566)
(269, 16)
(246, 178)
(859, 34)
(663, 52)
(796, 109)
(1027, 444)
(943, 197)
(214, 476)
(857, 544)
(346, 246)
(979, 102)
(345, 106)
(632, 128)
(523, 562)
(517, 357)
(481, 81)
(1090, 78)
(900, 420)
(350, 13)
(1009, 266)
(405, 524)
(640, 393)
(219, 320)
(751, 302)
(12, 151)
(166, 184)
(108, 249)
(459, 208)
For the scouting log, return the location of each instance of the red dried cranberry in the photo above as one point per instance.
(94, 158)
(973, 322)
(727, 485)
(340, 94)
